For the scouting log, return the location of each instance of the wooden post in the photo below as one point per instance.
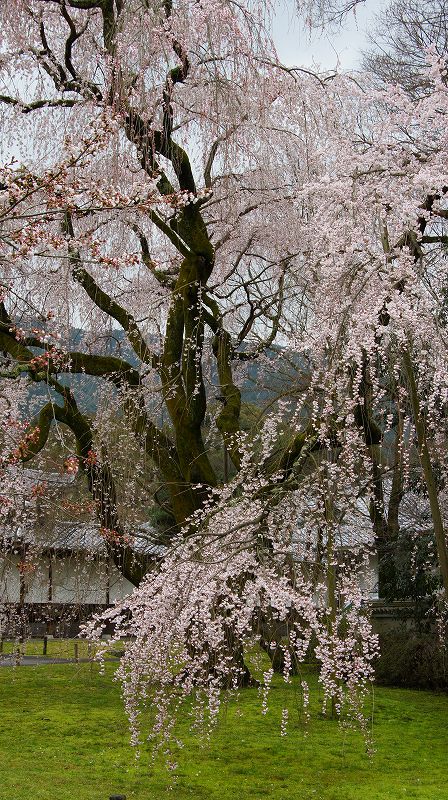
(44, 651)
(226, 464)
(18, 652)
(50, 580)
(108, 582)
(331, 569)
(76, 652)
(331, 580)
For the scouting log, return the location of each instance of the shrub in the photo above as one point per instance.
(412, 659)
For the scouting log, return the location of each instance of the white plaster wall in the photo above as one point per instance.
(76, 579)
(37, 582)
(9, 579)
(79, 580)
(119, 586)
(369, 578)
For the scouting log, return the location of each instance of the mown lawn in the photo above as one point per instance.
(63, 735)
(56, 648)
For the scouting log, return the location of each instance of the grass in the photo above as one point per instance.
(56, 648)
(63, 734)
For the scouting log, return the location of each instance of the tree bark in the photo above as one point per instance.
(427, 469)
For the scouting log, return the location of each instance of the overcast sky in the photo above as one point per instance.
(328, 50)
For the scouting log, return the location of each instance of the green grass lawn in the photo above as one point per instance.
(56, 648)
(63, 735)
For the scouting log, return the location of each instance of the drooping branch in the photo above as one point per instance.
(170, 233)
(150, 142)
(167, 279)
(132, 565)
(117, 370)
(26, 108)
(156, 443)
(106, 303)
(70, 41)
(41, 424)
(64, 77)
(275, 318)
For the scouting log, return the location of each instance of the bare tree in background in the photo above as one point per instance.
(400, 37)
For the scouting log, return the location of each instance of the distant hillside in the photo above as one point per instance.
(259, 382)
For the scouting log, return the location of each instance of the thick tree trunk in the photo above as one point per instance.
(428, 471)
